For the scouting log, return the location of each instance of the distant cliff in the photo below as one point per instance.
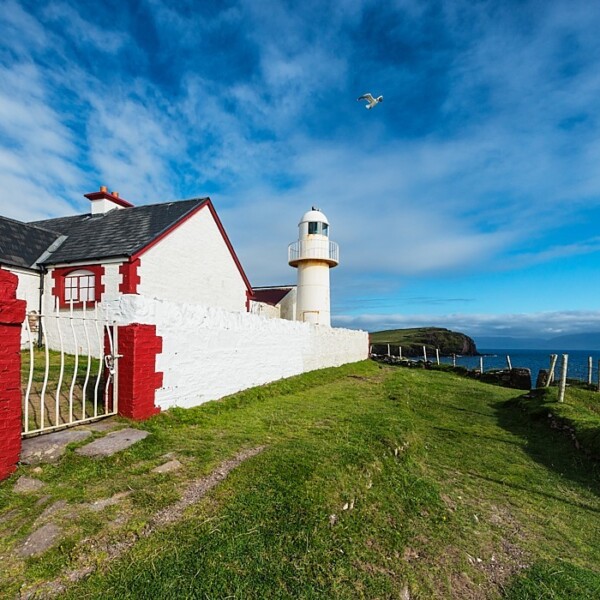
(413, 340)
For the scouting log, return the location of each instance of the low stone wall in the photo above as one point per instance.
(209, 353)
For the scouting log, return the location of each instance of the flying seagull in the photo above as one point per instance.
(371, 102)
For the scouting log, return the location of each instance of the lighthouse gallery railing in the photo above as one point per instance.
(314, 249)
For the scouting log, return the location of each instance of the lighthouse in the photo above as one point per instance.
(313, 255)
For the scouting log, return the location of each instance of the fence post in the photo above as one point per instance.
(12, 315)
(508, 363)
(400, 351)
(553, 359)
(454, 360)
(563, 377)
(481, 364)
(437, 355)
(425, 353)
(389, 354)
(590, 369)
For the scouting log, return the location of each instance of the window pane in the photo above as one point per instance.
(67, 294)
(312, 228)
(91, 294)
(325, 229)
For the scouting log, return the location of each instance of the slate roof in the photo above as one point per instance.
(271, 295)
(22, 244)
(115, 233)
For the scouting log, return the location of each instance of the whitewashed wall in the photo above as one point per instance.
(265, 310)
(209, 353)
(193, 264)
(288, 305)
(28, 289)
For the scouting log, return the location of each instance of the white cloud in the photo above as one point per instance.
(519, 325)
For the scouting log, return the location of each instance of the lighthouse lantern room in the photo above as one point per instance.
(313, 255)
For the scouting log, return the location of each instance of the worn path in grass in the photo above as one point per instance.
(375, 482)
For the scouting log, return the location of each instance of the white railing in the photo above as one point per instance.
(314, 249)
(92, 391)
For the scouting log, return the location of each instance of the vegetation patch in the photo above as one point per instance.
(412, 341)
(578, 416)
(375, 482)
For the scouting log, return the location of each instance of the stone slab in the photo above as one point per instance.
(27, 485)
(51, 446)
(51, 510)
(99, 505)
(104, 425)
(112, 443)
(167, 467)
(40, 540)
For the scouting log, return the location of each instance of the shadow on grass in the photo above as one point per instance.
(548, 447)
(472, 434)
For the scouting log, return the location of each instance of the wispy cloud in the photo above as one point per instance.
(482, 157)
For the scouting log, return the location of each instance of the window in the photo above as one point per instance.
(76, 285)
(318, 228)
(80, 286)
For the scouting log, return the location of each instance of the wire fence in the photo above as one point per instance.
(545, 369)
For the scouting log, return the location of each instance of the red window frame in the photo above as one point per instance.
(61, 273)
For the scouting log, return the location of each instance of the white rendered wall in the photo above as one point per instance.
(28, 289)
(264, 310)
(193, 264)
(313, 304)
(287, 306)
(209, 353)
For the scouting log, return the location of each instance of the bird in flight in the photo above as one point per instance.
(371, 102)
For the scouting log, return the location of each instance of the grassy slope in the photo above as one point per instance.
(443, 472)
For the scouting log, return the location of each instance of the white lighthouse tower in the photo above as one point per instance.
(313, 254)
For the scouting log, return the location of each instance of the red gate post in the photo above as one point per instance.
(12, 315)
(138, 378)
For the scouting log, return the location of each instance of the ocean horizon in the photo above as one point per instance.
(533, 359)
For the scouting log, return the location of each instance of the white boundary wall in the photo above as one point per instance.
(209, 353)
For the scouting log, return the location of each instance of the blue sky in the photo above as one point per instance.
(470, 198)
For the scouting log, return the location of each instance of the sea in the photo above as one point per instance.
(532, 359)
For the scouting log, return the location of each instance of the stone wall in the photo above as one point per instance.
(208, 353)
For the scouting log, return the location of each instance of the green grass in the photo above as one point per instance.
(580, 411)
(457, 494)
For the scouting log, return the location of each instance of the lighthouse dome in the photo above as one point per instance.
(314, 216)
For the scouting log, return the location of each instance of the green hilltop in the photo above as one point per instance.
(413, 340)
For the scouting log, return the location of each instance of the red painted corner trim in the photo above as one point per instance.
(58, 289)
(130, 276)
(207, 203)
(107, 196)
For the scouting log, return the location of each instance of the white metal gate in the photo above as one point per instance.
(69, 369)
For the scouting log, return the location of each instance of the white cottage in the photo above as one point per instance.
(175, 251)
